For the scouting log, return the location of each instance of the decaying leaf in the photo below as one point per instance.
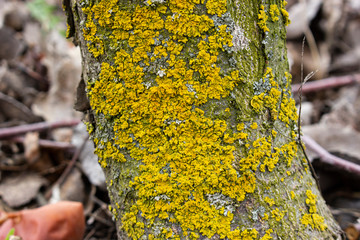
(21, 189)
(334, 138)
(60, 221)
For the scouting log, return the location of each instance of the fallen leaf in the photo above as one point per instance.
(59, 221)
(89, 161)
(73, 188)
(21, 189)
(335, 138)
(301, 14)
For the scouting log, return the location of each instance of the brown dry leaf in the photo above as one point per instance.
(333, 21)
(337, 130)
(21, 189)
(301, 14)
(32, 148)
(10, 46)
(60, 221)
(295, 61)
(89, 161)
(63, 62)
(13, 109)
(345, 110)
(349, 58)
(73, 188)
(334, 138)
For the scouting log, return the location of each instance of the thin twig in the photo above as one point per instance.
(71, 164)
(68, 169)
(303, 81)
(14, 168)
(90, 234)
(327, 157)
(42, 126)
(47, 143)
(326, 83)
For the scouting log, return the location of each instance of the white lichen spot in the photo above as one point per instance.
(147, 84)
(170, 121)
(162, 197)
(161, 73)
(219, 200)
(239, 40)
(157, 229)
(179, 121)
(190, 88)
(149, 2)
(258, 212)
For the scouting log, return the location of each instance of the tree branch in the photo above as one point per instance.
(326, 83)
(328, 158)
(42, 126)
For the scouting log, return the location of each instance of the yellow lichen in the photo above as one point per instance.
(158, 120)
(269, 201)
(292, 194)
(257, 102)
(216, 7)
(270, 98)
(176, 155)
(285, 14)
(277, 214)
(274, 133)
(274, 12)
(288, 110)
(262, 16)
(240, 126)
(249, 234)
(267, 235)
(312, 218)
(311, 201)
(254, 125)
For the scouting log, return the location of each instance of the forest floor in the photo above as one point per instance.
(53, 161)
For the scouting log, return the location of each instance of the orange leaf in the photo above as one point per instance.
(59, 221)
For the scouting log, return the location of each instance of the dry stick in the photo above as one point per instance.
(47, 143)
(18, 130)
(326, 83)
(71, 164)
(68, 169)
(90, 234)
(327, 157)
(300, 91)
(30, 72)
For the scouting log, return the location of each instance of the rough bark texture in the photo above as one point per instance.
(193, 120)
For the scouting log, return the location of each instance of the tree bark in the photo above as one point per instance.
(193, 119)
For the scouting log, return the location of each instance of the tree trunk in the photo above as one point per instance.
(193, 119)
